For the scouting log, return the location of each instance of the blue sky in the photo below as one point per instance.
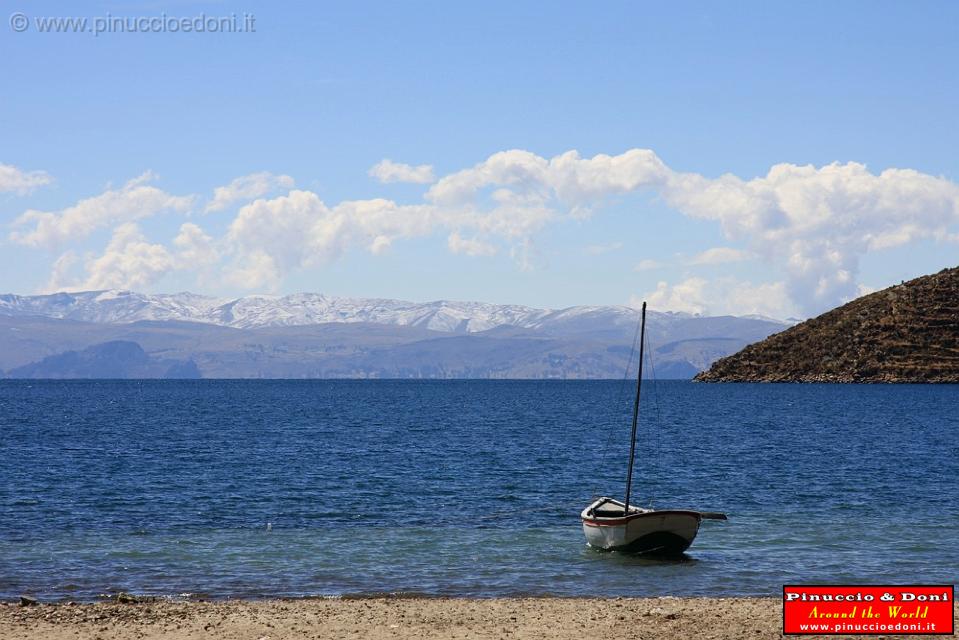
(745, 158)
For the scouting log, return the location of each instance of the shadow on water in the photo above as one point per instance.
(639, 559)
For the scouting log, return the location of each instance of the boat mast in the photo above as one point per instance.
(639, 384)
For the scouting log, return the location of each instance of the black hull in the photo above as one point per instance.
(659, 543)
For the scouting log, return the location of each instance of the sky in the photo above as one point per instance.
(744, 158)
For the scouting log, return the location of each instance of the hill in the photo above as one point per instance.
(115, 359)
(906, 333)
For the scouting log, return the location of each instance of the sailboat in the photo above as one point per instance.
(615, 525)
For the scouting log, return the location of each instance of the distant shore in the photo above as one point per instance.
(376, 618)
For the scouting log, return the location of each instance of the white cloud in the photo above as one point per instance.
(255, 270)
(508, 168)
(688, 296)
(60, 273)
(285, 229)
(648, 265)
(247, 188)
(578, 183)
(600, 249)
(512, 216)
(388, 171)
(765, 299)
(469, 246)
(194, 246)
(367, 223)
(722, 296)
(720, 255)
(380, 245)
(129, 262)
(272, 237)
(517, 195)
(135, 200)
(512, 195)
(585, 182)
(815, 223)
(811, 225)
(14, 180)
(300, 230)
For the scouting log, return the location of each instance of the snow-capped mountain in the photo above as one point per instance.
(111, 306)
(310, 335)
(115, 306)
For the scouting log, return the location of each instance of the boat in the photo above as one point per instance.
(614, 525)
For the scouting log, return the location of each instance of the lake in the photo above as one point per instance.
(214, 488)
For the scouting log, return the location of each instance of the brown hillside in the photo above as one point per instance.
(906, 333)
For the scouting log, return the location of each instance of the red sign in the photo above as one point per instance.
(869, 610)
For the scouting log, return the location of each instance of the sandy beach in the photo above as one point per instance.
(377, 618)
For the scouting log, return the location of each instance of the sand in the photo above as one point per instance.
(380, 618)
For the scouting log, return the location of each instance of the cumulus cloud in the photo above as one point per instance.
(811, 225)
(688, 296)
(14, 180)
(512, 195)
(135, 200)
(815, 223)
(273, 237)
(285, 229)
(722, 296)
(567, 179)
(720, 255)
(388, 171)
(504, 200)
(129, 262)
(768, 299)
(469, 246)
(255, 270)
(194, 246)
(247, 188)
(60, 273)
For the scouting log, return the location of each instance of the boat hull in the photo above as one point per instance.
(648, 531)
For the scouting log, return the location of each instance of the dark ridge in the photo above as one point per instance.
(116, 359)
(906, 333)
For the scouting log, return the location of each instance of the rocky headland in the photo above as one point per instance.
(905, 333)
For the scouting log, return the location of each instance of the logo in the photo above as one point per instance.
(869, 609)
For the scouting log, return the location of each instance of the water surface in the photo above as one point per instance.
(466, 488)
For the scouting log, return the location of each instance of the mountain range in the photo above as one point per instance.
(310, 335)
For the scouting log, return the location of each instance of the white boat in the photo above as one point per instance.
(614, 525)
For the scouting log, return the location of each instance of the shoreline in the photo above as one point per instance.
(396, 617)
(128, 598)
(379, 618)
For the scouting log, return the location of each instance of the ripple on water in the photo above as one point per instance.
(464, 488)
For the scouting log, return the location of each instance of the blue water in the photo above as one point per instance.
(465, 487)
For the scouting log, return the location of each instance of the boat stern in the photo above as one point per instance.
(607, 527)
